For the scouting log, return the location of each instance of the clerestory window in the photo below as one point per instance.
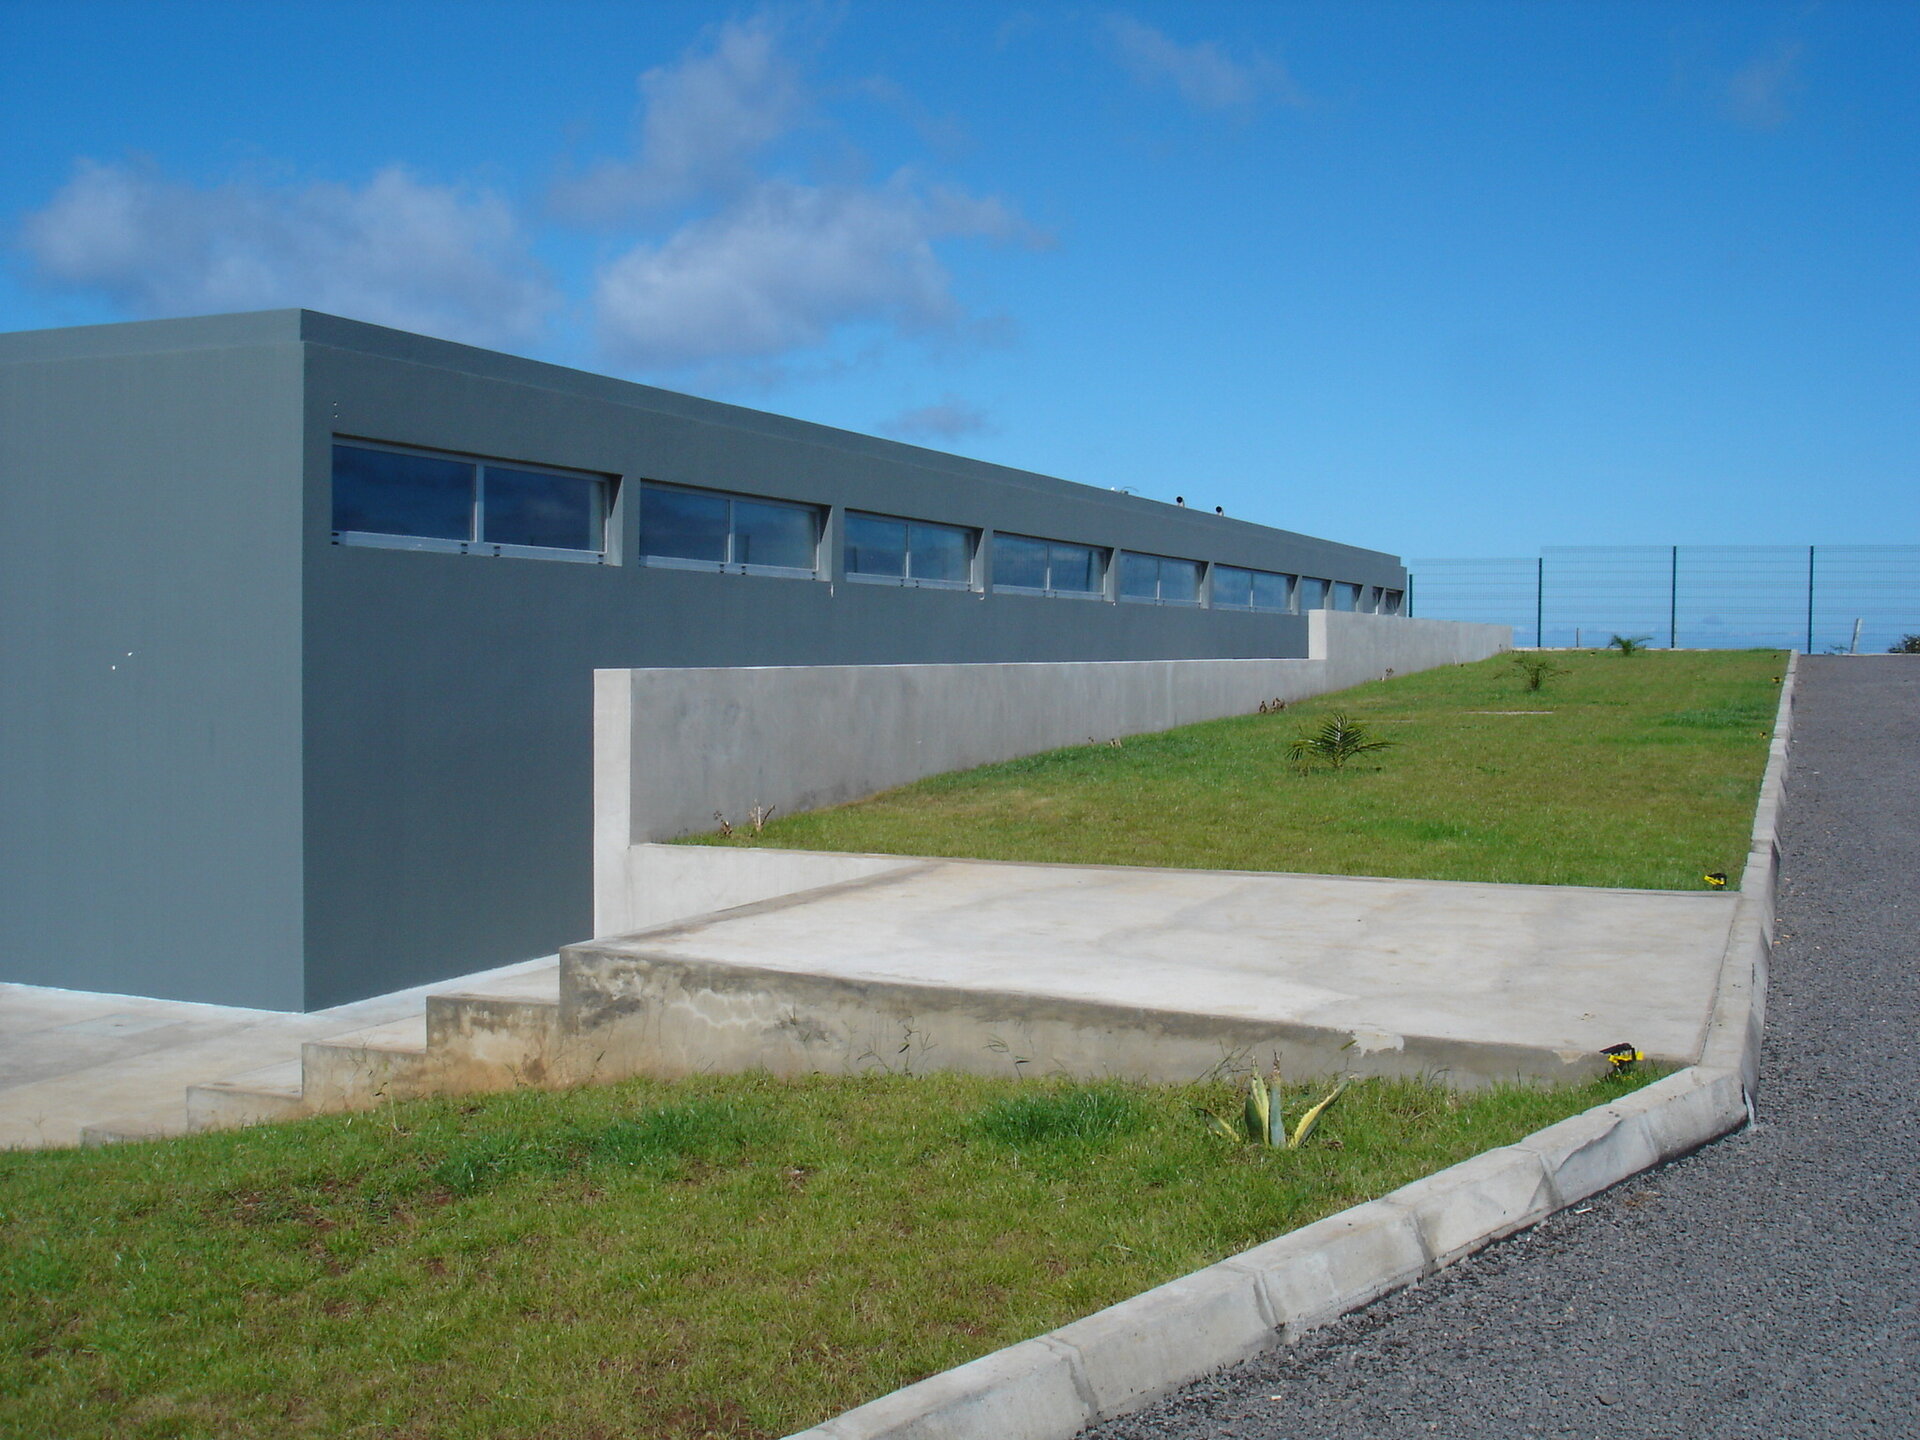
(1238, 589)
(1024, 565)
(914, 553)
(416, 500)
(709, 530)
(1159, 579)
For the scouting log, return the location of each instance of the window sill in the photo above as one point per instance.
(1048, 594)
(486, 549)
(714, 567)
(906, 582)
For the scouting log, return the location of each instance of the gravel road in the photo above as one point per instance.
(1764, 1288)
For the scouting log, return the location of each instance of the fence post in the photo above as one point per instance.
(1809, 649)
(1673, 601)
(1539, 601)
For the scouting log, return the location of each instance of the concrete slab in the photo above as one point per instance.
(72, 1058)
(1036, 968)
(1375, 962)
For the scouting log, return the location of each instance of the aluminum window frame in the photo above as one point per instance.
(1290, 585)
(907, 580)
(605, 489)
(730, 566)
(1159, 597)
(1103, 561)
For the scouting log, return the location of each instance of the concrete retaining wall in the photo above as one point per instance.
(672, 746)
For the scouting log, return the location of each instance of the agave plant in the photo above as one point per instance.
(1337, 740)
(1629, 645)
(1263, 1118)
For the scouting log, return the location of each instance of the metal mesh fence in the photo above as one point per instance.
(1814, 598)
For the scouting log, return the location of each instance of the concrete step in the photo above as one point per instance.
(498, 1028)
(359, 1069)
(524, 983)
(273, 1092)
(494, 1033)
(494, 1042)
(159, 1124)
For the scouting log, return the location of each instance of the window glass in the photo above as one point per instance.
(1391, 601)
(876, 547)
(1270, 591)
(1232, 586)
(682, 525)
(1345, 596)
(523, 507)
(382, 492)
(777, 535)
(1156, 577)
(1313, 593)
(1019, 562)
(940, 552)
(1139, 576)
(1073, 568)
(1180, 582)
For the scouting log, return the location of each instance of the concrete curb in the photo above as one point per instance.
(1130, 1354)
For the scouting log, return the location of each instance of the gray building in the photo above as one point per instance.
(298, 618)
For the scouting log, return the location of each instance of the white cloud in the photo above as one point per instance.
(703, 120)
(397, 251)
(1203, 74)
(732, 261)
(1758, 95)
(787, 265)
(720, 259)
(947, 420)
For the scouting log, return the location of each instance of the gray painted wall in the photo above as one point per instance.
(150, 809)
(438, 708)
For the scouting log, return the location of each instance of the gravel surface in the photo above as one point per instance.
(1764, 1288)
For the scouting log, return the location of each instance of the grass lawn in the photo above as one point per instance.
(1642, 774)
(734, 1256)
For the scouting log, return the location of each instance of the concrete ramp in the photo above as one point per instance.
(1157, 974)
(916, 965)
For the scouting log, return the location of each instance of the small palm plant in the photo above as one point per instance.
(1629, 645)
(1337, 740)
(1536, 670)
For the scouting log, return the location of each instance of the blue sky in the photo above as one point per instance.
(1443, 279)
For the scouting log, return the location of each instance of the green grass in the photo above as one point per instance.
(733, 1256)
(1644, 775)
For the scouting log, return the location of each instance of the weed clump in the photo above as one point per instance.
(1067, 1116)
(665, 1141)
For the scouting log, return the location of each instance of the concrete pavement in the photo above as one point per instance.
(1163, 974)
